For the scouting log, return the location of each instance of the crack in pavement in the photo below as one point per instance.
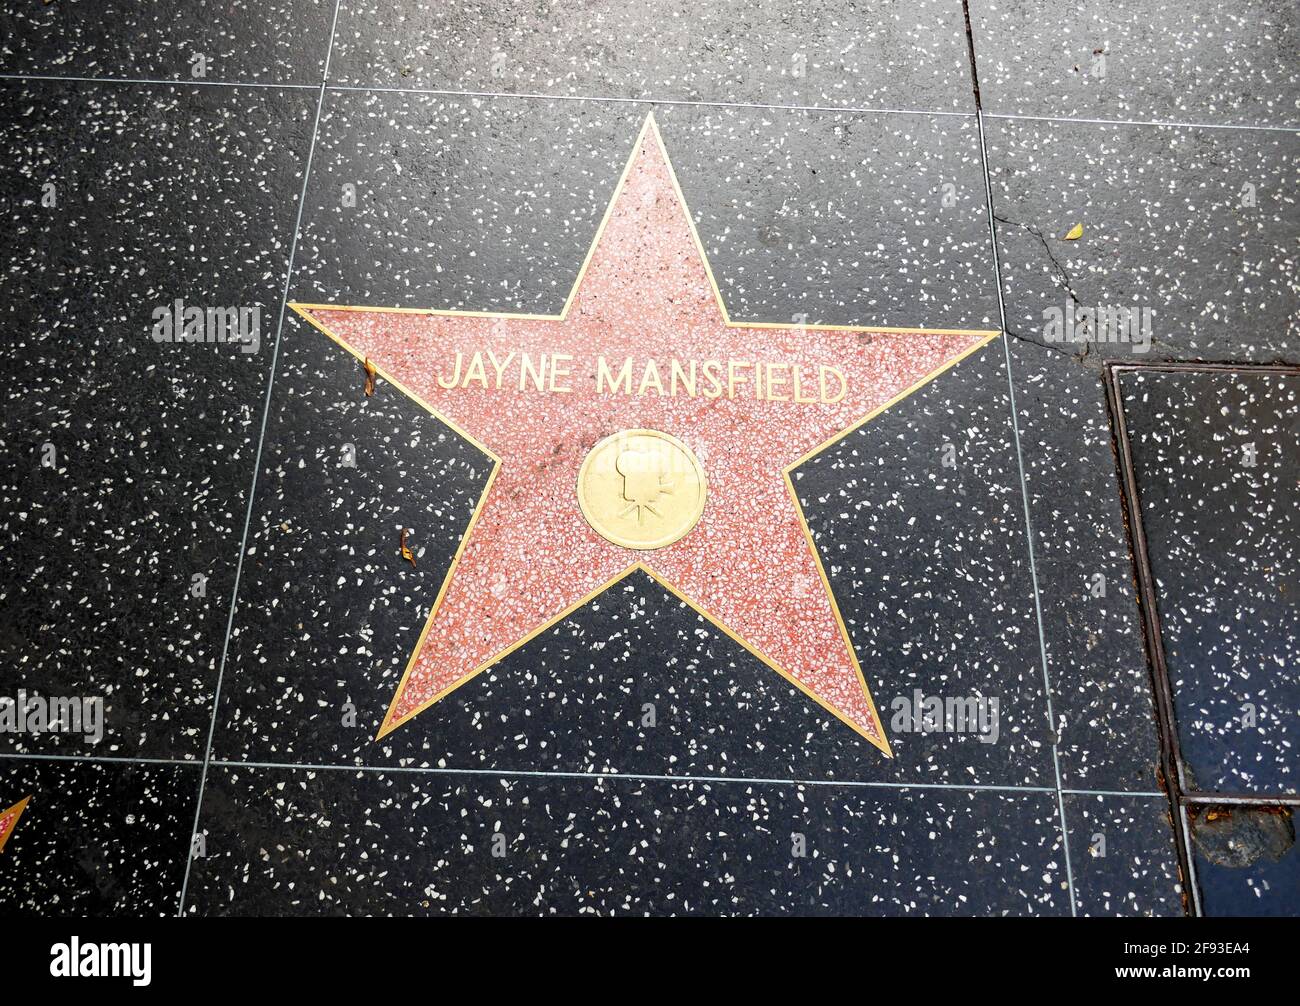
(1060, 269)
(1081, 357)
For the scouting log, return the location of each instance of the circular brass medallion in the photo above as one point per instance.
(641, 489)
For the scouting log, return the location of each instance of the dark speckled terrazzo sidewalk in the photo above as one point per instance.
(206, 539)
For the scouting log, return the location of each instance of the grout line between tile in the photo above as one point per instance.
(257, 463)
(98, 759)
(495, 773)
(177, 82)
(646, 100)
(1029, 527)
(1141, 122)
(558, 774)
(1144, 793)
(1020, 464)
(687, 102)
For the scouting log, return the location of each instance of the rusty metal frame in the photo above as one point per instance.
(1172, 771)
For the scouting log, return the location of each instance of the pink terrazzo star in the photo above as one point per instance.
(645, 293)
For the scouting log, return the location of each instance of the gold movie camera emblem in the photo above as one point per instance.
(641, 489)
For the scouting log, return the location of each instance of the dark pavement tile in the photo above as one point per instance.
(1194, 61)
(816, 52)
(1246, 861)
(1096, 656)
(1217, 461)
(1122, 852)
(1195, 226)
(489, 206)
(128, 461)
(340, 842)
(96, 839)
(280, 42)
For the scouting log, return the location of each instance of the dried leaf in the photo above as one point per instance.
(370, 377)
(1076, 232)
(407, 554)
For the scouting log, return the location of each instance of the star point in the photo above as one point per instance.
(9, 820)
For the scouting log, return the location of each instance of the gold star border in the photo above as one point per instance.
(651, 126)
